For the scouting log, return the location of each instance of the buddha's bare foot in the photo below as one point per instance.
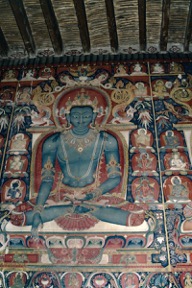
(37, 222)
(34, 232)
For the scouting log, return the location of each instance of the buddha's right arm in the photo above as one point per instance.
(50, 147)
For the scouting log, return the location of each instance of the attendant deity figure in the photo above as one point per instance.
(178, 189)
(159, 89)
(78, 151)
(28, 74)
(171, 140)
(9, 75)
(141, 138)
(176, 161)
(145, 189)
(157, 68)
(137, 69)
(16, 163)
(16, 166)
(15, 190)
(176, 67)
(121, 70)
(19, 144)
(144, 163)
(46, 73)
(140, 89)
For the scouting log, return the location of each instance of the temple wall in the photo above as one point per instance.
(96, 175)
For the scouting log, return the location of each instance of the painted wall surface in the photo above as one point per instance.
(96, 175)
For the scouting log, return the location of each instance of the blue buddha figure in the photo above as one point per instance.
(78, 151)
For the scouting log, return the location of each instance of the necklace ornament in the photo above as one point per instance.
(63, 141)
(79, 143)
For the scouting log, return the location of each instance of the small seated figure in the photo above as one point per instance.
(159, 89)
(179, 191)
(10, 75)
(15, 190)
(28, 74)
(157, 68)
(137, 69)
(120, 70)
(16, 163)
(176, 161)
(16, 166)
(144, 163)
(140, 89)
(171, 140)
(141, 138)
(176, 68)
(19, 144)
(46, 73)
(145, 189)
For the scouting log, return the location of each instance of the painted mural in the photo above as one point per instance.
(96, 175)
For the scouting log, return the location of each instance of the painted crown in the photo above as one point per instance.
(81, 99)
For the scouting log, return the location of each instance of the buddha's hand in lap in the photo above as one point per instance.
(84, 197)
(37, 221)
(89, 196)
(81, 209)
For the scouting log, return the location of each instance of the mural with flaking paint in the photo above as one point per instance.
(96, 173)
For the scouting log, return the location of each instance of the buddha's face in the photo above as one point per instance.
(81, 118)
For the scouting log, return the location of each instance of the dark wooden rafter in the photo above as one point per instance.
(82, 24)
(142, 24)
(52, 25)
(4, 48)
(165, 25)
(112, 25)
(188, 31)
(23, 24)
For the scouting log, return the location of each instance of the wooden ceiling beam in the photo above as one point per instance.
(4, 48)
(112, 25)
(188, 30)
(165, 25)
(82, 24)
(52, 25)
(142, 24)
(23, 24)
